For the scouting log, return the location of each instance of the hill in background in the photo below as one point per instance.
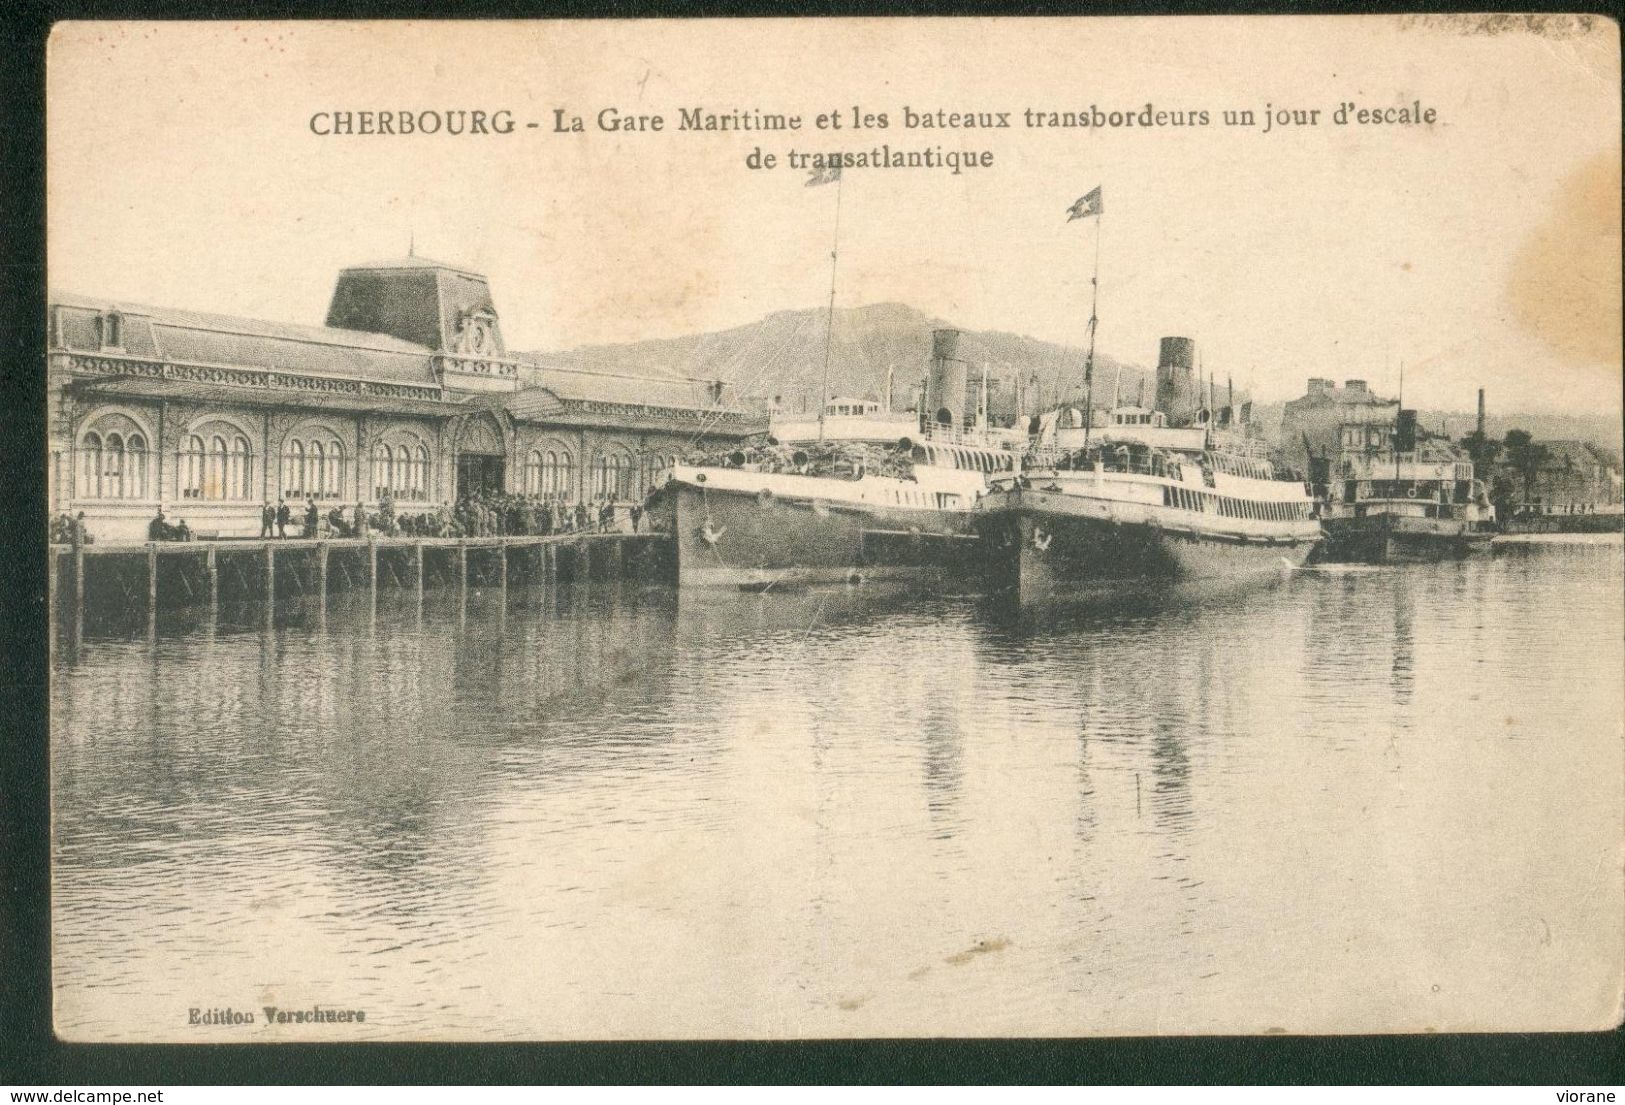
(781, 358)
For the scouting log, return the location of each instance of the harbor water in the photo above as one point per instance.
(1361, 799)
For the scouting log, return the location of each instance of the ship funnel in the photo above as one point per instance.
(1176, 380)
(1405, 432)
(947, 384)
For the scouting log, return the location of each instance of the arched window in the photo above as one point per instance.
(401, 467)
(533, 473)
(112, 458)
(381, 463)
(242, 468)
(214, 486)
(293, 469)
(420, 475)
(90, 485)
(112, 469)
(113, 331)
(190, 469)
(312, 464)
(317, 460)
(566, 479)
(333, 485)
(135, 468)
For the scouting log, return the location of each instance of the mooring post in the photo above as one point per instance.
(581, 565)
(270, 574)
(321, 571)
(417, 567)
(211, 567)
(615, 556)
(462, 565)
(372, 568)
(152, 577)
(550, 564)
(502, 556)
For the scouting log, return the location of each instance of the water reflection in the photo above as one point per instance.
(613, 810)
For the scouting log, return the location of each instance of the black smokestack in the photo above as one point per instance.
(1176, 384)
(1481, 414)
(1405, 432)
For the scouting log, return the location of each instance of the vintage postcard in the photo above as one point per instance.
(835, 528)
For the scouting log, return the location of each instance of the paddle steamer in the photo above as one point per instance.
(851, 497)
(1176, 492)
(1394, 495)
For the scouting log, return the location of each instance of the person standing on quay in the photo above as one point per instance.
(267, 519)
(283, 517)
(313, 518)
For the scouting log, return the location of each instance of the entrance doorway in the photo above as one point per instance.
(479, 474)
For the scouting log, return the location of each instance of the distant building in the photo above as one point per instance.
(408, 391)
(1571, 474)
(1321, 415)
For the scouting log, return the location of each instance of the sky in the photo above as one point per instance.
(1480, 250)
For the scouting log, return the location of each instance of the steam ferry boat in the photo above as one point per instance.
(1392, 494)
(1175, 492)
(854, 496)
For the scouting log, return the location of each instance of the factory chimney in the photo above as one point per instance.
(1481, 414)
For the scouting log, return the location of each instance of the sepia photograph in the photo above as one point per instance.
(834, 528)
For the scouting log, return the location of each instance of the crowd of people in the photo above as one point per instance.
(477, 515)
(830, 459)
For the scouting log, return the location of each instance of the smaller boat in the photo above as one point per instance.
(1393, 494)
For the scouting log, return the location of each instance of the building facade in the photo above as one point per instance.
(408, 391)
(1324, 416)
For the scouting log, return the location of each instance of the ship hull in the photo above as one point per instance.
(1038, 553)
(1384, 540)
(735, 539)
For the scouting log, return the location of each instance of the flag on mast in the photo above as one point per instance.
(1088, 205)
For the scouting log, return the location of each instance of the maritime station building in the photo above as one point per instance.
(408, 392)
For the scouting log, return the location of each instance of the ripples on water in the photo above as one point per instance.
(1360, 800)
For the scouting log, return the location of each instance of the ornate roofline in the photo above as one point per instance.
(120, 364)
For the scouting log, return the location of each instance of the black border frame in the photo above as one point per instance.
(31, 1056)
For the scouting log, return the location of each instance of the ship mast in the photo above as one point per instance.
(834, 256)
(1090, 205)
(1094, 321)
